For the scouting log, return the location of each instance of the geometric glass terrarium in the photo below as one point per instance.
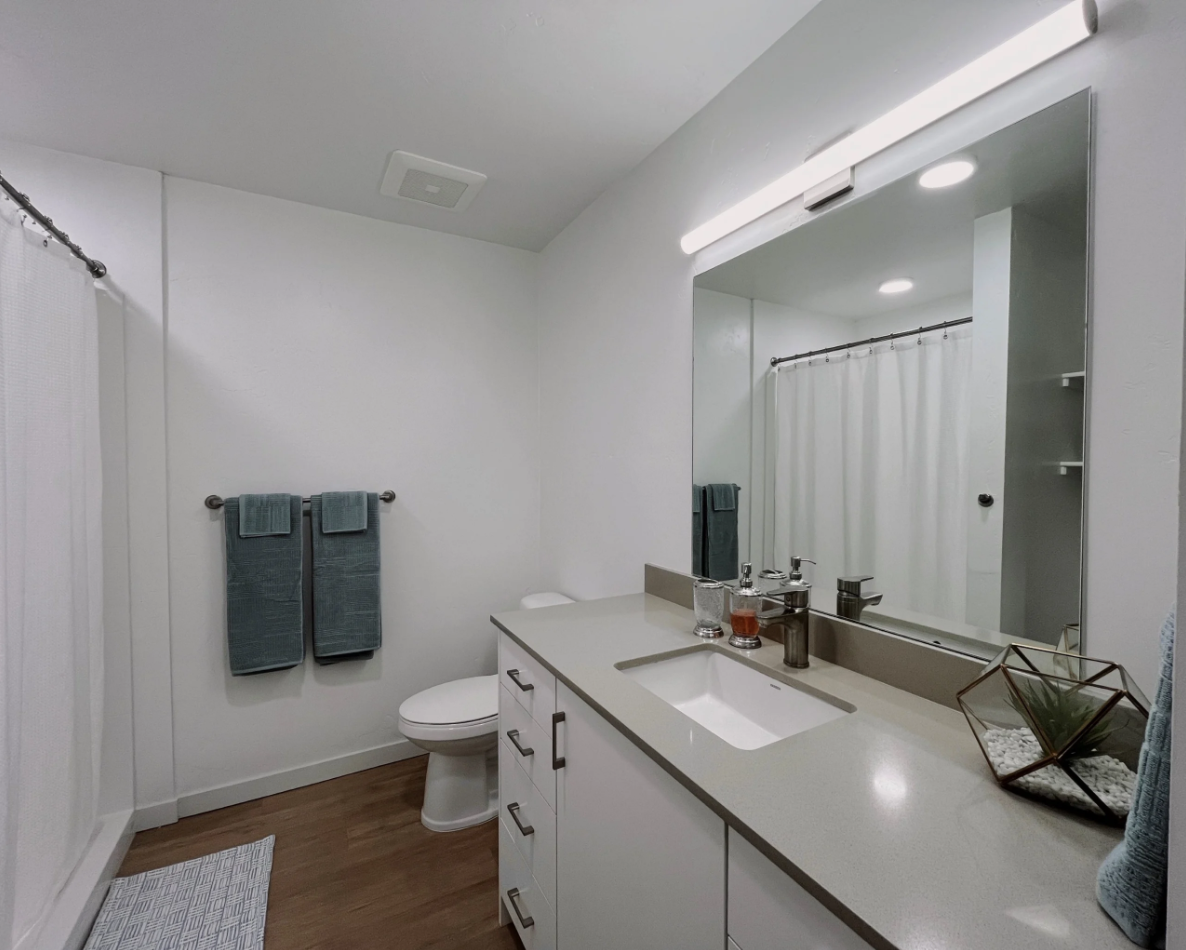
(1060, 727)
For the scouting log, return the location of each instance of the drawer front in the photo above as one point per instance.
(530, 912)
(518, 731)
(520, 799)
(533, 687)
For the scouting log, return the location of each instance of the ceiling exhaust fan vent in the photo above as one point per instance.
(416, 178)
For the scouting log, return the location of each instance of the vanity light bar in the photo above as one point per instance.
(1063, 29)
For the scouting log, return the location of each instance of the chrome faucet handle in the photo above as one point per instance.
(852, 585)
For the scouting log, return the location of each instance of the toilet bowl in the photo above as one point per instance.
(456, 723)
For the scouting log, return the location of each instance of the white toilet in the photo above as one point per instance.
(456, 723)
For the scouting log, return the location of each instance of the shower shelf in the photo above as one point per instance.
(1074, 380)
(1065, 468)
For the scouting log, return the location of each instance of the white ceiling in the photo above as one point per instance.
(834, 264)
(554, 100)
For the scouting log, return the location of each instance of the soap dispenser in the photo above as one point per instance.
(744, 602)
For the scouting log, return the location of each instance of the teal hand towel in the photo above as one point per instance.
(720, 532)
(723, 497)
(265, 611)
(347, 620)
(343, 511)
(1132, 881)
(264, 515)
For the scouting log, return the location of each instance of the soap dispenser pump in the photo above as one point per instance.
(744, 602)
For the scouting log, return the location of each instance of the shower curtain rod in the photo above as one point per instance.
(97, 268)
(775, 360)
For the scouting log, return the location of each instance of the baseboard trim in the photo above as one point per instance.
(153, 816)
(236, 793)
(69, 922)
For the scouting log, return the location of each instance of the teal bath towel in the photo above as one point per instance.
(698, 530)
(720, 532)
(264, 608)
(1132, 881)
(347, 622)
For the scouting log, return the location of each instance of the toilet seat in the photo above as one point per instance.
(461, 709)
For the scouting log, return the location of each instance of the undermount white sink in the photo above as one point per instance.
(730, 699)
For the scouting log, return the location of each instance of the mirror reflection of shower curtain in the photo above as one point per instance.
(871, 469)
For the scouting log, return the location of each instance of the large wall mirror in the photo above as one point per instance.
(896, 390)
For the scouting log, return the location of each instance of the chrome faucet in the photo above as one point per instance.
(850, 601)
(791, 615)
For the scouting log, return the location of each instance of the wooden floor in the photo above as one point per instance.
(353, 866)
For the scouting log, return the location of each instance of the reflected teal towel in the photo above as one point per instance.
(343, 511)
(265, 611)
(698, 530)
(264, 515)
(346, 609)
(720, 532)
(1132, 881)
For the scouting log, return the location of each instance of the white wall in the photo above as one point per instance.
(615, 290)
(428, 343)
(312, 350)
(908, 317)
(992, 253)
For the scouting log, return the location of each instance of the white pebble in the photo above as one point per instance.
(1112, 780)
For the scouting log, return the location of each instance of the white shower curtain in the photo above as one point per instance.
(50, 573)
(871, 469)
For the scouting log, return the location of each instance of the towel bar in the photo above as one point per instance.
(214, 502)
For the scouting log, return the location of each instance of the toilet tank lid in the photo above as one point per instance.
(547, 599)
(464, 700)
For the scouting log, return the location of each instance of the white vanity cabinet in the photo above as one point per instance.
(640, 861)
(599, 847)
(769, 911)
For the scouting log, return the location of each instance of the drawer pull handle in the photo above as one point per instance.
(557, 761)
(513, 811)
(513, 897)
(513, 735)
(514, 677)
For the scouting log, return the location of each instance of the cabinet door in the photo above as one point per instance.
(640, 862)
(769, 911)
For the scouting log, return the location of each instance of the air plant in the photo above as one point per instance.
(1060, 712)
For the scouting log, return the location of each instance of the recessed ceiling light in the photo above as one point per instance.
(947, 174)
(899, 285)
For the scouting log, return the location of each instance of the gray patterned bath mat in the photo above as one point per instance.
(218, 902)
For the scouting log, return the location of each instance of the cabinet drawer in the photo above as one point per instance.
(538, 848)
(528, 734)
(530, 912)
(533, 687)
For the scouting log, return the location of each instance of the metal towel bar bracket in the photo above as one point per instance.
(214, 502)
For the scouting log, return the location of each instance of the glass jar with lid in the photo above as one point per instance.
(744, 604)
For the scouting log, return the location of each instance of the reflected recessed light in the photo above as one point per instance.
(899, 285)
(947, 174)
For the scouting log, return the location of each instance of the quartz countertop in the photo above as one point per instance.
(889, 815)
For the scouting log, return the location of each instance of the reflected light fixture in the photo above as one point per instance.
(899, 285)
(1067, 27)
(947, 174)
